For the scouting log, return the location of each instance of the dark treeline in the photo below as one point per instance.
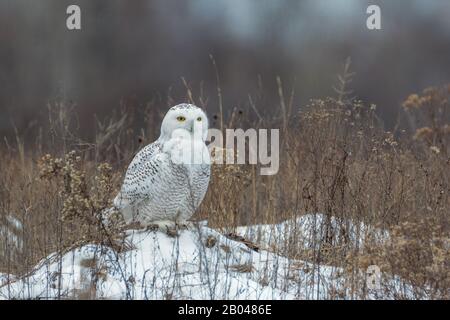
(139, 51)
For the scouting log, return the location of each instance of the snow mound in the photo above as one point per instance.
(310, 231)
(199, 263)
(11, 229)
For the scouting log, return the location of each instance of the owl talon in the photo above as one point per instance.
(152, 227)
(168, 227)
(185, 225)
(172, 232)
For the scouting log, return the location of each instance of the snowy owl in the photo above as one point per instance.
(167, 180)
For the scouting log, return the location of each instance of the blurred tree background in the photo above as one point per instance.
(133, 52)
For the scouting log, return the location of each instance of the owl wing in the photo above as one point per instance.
(140, 176)
(201, 183)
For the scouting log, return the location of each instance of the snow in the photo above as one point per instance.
(11, 230)
(188, 266)
(158, 267)
(14, 222)
(309, 232)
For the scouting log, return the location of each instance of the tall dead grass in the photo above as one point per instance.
(335, 159)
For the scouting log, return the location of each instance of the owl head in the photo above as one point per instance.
(185, 119)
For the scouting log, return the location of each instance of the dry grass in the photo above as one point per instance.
(335, 159)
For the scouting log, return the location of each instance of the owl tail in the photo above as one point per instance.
(111, 218)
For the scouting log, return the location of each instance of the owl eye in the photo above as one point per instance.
(181, 118)
(199, 119)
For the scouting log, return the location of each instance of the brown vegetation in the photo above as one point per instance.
(335, 159)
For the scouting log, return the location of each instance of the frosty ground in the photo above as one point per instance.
(199, 263)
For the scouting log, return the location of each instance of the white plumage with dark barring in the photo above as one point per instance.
(168, 179)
